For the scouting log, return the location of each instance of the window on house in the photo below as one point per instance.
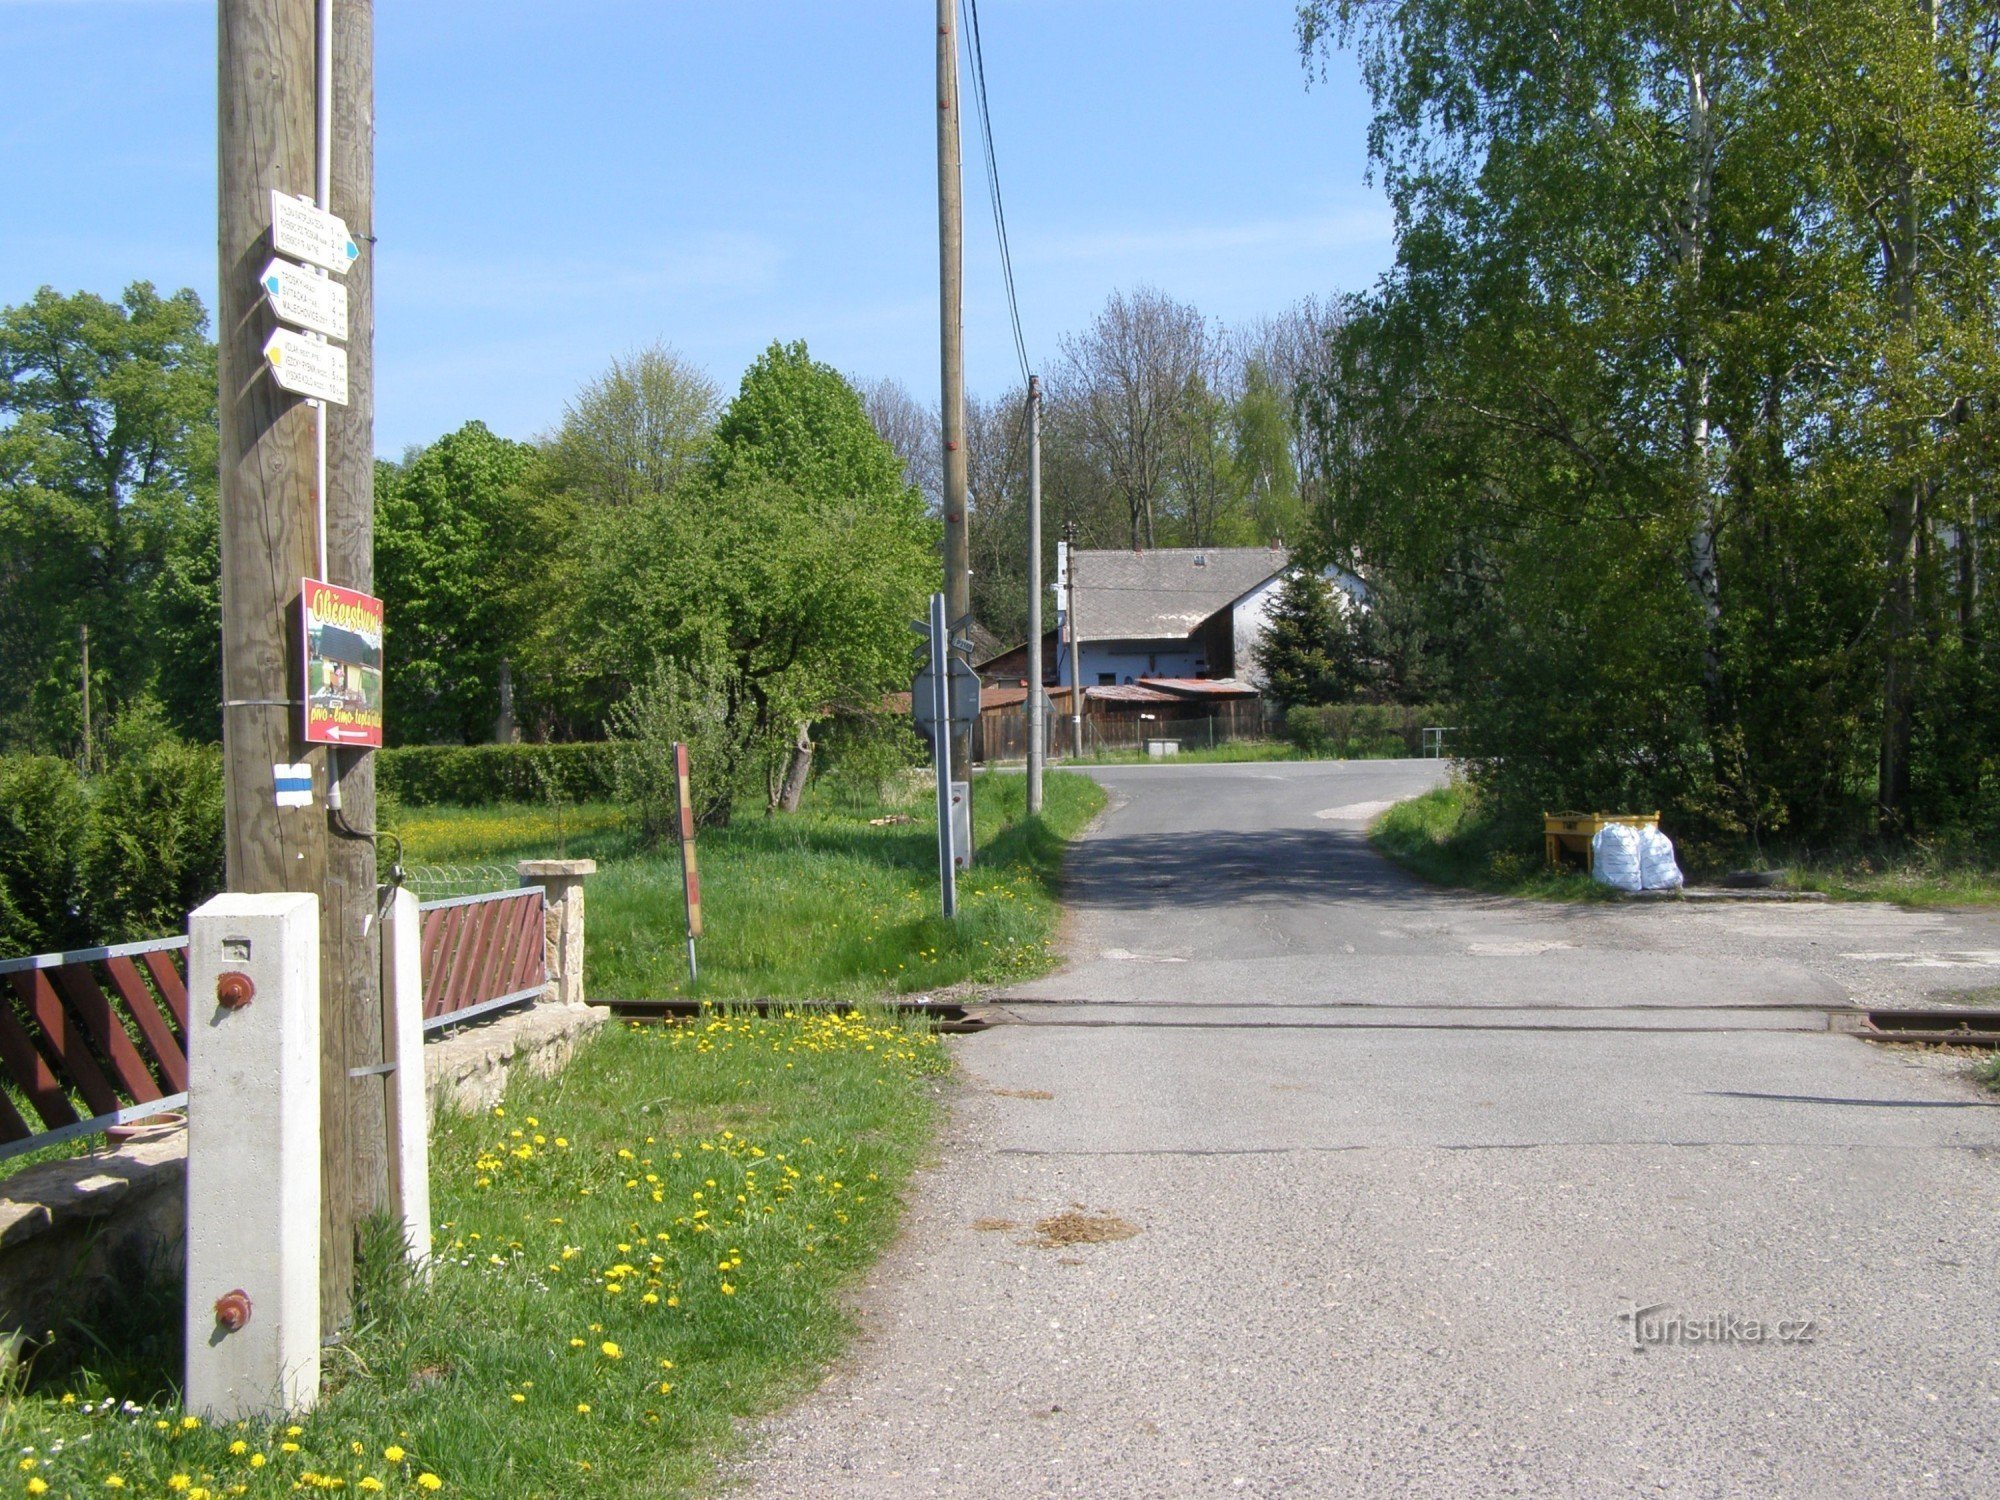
(1107, 679)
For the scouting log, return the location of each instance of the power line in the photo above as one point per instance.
(971, 11)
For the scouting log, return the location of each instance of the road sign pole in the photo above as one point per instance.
(941, 737)
(1037, 726)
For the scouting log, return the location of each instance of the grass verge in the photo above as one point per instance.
(836, 901)
(631, 1258)
(1444, 835)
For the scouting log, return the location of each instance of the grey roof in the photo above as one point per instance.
(1167, 593)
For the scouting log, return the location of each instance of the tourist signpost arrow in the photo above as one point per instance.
(307, 366)
(311, 234)
(305, 299)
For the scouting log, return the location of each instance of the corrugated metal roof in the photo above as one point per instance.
(1164, 594)
(1201, 687)
(1127, 692)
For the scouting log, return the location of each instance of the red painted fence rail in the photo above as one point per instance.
(482, 953)
(97, 1037)
(91, 1038)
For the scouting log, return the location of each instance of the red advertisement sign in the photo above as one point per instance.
(341, 634)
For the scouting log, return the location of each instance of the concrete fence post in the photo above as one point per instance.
(562, 880)
(253, 1163)
(409, 1107)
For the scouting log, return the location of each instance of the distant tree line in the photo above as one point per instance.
(1160, 428)
(767, 547)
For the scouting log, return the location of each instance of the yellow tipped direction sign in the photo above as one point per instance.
(307, 366)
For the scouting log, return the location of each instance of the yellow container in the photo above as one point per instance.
(1566, 836)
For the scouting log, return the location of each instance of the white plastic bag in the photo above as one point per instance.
(1614, 857)
(1658, 870)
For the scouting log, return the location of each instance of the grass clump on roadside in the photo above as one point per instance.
(1445, 835)
(631, 1258)
(833, 902)
(1449, 836)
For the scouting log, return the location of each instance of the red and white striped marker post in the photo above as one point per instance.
(690, 880)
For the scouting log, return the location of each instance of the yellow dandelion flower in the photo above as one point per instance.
(38, 1486)
(393, 1453)
(429, 1482)
(257, 1460)
(610, 1350)
(239, 1447)
(583, 1408)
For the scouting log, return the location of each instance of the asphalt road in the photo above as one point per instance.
(1402, 1165)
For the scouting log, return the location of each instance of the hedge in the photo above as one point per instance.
(1355, 731)
(476, 775)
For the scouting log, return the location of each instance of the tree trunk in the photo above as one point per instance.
(1703, 579)
(1892, 785)
(796, 772)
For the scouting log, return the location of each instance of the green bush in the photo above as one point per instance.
(157, 852)
(46, 831)
(701, 705)
(1354, 731)
(860, 752)
(479, 775)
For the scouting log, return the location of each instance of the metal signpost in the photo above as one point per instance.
(944, 700)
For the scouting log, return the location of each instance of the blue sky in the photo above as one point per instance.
(561, 183)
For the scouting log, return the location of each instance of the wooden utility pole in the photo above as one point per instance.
(351, 960)
(951, 313)
(1037, 728)
(268, 138)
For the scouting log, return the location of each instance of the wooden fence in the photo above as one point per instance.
(92, 1038)
(97, 1037)
(481, 953)
(1002, 733)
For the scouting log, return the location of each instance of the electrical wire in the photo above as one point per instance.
(970, 10)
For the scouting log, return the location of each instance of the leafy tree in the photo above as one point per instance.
(450, 549)
(1682, 382)
(635, 432)
(107, 466)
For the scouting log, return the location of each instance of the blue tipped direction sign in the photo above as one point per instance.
(305, 299)
(311, 234)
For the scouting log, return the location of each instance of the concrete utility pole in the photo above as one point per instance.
(270, 124)
(951, 314)
(1037, 730)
